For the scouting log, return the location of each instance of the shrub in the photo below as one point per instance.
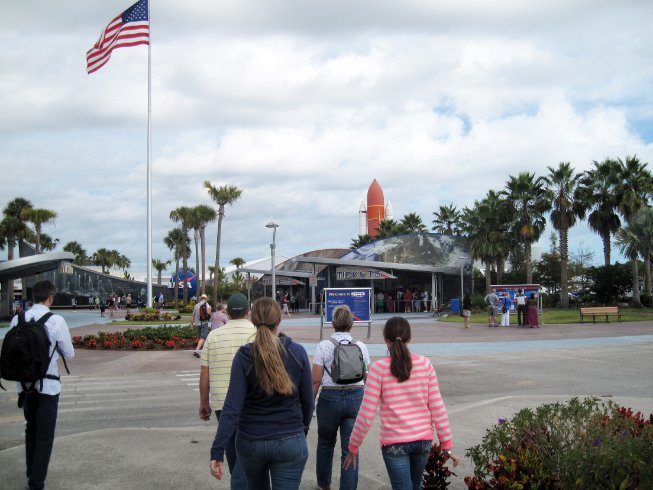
(436, 474)
(151, 315)
(579, 444)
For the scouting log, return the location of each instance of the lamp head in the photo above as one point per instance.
(271, 224)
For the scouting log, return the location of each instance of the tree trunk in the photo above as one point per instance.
(647, 271)
(203, 252)
(177, 280)
(564, 263)
(217, 255)
(529, 265)
(637, 302)
(488, 277)
(606, 248)
(184, 264)
(197, 257)
(501, 267)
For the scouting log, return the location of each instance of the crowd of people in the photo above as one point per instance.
(402, 300)
(525, 307)
(264, 388)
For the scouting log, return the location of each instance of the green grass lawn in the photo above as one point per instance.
(559, 316)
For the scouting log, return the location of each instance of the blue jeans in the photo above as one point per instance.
(336, 409)
(40, 412)
(279, 461)
(405, 463)
(238, 481)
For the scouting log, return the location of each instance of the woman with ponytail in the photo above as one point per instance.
(406, 387)
(269, 405)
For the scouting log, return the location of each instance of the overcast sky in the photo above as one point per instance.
(303, 104)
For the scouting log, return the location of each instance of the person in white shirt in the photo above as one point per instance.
(338, 405)
(40, 400)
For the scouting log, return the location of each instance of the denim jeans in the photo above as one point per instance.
(336, 410)
(41, 416)
(238, 481)
(279, 461)
(405, 463)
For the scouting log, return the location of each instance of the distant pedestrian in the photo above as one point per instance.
(406, 387)
(467, 309)
(286, 303)
(532, 319)
(520, 299)
(218, 318)
(506, 305)
(40, 399)
(201, 317)
(269, 406)
(338, 404)
(492, 302)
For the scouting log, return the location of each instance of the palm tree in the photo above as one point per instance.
(529, 198)
(238, 262)
(211, 269)
(184, 216)
(48, 243)
(360, 241)
(177, 241)
(160, 266)
(389, 228)
(448, 220)
(76, 248)
(596, 192)
(205, 215)
(104, 258)
(562, 184)
(222, 196)
(636, 239)
(38, 217)
(484, 230)
(413, 223)
(633, 189)
(13, 227)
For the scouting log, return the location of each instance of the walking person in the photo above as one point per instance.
(406, 387)
(520, 299)
(201, 317)
(219, 318)
(506, 305)
(532, 319)
(40, 400)
(217, 356)
(492, 302)
(337, 405)
(269, 406)
(467, 309)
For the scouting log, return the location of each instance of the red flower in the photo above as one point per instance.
(170, 344)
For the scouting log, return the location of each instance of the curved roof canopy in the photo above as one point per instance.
(34, 264)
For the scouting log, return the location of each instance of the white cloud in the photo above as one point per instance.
(302, 105)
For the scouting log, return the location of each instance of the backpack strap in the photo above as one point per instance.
(336, 343)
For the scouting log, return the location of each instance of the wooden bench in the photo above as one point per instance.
(595, 311)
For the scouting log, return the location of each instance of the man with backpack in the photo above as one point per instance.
(340, 369)
(38, 397)
(201, 317)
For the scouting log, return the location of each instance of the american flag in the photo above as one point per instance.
(130, 28)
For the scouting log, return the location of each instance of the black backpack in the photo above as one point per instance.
(348, 363)
(25, 355)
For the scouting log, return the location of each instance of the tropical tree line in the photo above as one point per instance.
(613, 195)
(196, 219)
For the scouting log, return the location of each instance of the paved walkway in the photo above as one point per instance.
(487, 373)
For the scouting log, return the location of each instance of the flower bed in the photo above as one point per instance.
(151, 315)
(581, 444)
(149, 338)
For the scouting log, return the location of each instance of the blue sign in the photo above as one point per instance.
(191, 279)
(357, 299)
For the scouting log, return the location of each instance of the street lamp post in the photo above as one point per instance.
(273, 246)
(462, 293)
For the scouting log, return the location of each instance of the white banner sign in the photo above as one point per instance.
(352, 273)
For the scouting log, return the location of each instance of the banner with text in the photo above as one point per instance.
(352, 273)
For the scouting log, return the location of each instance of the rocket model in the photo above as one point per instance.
(370, 217)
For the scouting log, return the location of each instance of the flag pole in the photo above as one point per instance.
(149, 160)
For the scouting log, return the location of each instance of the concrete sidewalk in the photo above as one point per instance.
(485, 374)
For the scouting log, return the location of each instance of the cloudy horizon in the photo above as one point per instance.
(302, 106)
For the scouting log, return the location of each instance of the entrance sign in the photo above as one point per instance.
(359, 301)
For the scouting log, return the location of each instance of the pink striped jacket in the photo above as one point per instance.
(409, 410)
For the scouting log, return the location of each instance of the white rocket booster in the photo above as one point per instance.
(388, 211)
(362, 219)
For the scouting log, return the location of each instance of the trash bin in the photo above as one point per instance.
(455, 305)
